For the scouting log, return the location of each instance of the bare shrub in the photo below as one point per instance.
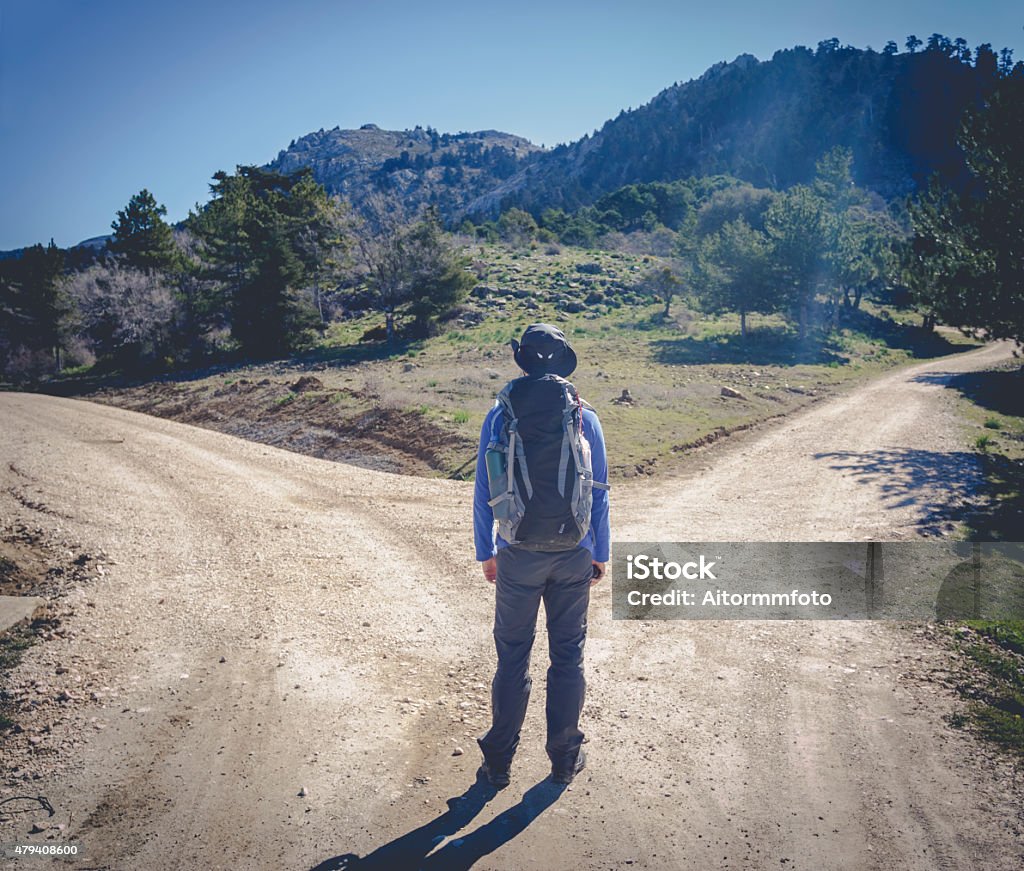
(24, 364)
(78, 352)
(372, 385)
(660, 242)
(125, 312)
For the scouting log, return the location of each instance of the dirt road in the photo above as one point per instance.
(295, 653)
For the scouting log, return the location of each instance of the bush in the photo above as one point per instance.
(128, 315)
(78, 353)
(27, 366)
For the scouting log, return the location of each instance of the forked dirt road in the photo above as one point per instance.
(274, 625)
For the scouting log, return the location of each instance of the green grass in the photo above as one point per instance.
(1007, 634)
(461, 416)
(993, 401)
(989, 401)
(995, 693)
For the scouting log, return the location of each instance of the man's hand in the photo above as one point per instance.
(599, 569)
(490, 567)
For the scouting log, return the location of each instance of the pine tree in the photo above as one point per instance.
(34, 307)
(410, 270)
(264, 238)
(439, 279)
(662, 283)
(266, 316)
(964, 263)
(992, 138)
(797, 225)
(142, 239)
(735, 273)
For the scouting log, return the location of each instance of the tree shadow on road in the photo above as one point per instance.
(941, 379)
(1000, 390)
(941, 484)
(410, 851)
(999, 515)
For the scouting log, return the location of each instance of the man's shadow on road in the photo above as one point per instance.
(409, 852)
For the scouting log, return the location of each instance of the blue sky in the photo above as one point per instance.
(100, 98)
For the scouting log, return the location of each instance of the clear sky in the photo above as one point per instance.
(101, 98)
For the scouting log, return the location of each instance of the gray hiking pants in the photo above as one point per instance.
(562, 580)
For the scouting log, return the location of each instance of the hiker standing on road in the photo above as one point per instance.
(542, 475)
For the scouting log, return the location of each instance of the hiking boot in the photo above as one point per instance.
(564, 772)
(498, 774)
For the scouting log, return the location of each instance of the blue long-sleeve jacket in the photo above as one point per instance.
(597, 539)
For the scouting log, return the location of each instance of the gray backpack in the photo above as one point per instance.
(538, 465)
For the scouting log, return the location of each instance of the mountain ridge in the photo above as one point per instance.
(418, 167)
(765, 122)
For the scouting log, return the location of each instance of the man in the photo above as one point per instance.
(523, 575)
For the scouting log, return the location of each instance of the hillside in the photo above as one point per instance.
(417, 408)
(767, 122)
(416, 167)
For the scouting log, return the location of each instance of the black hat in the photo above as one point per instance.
(544, 350)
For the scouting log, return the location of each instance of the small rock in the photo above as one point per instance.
(732, 393)
(458, 751)
(305, 384)
(303, 792)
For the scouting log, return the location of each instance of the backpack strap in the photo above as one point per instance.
(597, 485)
(515, 449)
(567, 441)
